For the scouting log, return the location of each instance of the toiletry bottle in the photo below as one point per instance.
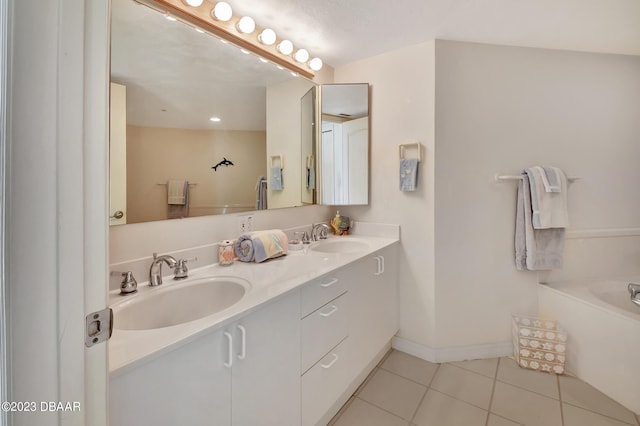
(225, 253)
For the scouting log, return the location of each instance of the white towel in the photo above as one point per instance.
(177, 192)
(549, 208)
(536, 249)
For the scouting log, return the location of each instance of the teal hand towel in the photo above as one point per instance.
(276, 179)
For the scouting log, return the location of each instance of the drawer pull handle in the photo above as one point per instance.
(330, 283)
(335, 358)
(229, 362)
(332, 311)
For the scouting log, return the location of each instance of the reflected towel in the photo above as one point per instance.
(259, 246)
(536, 249)
(261, 193)
(276, 179)
(549, 208)
(408, 174)
(177, 192)
(311, 178)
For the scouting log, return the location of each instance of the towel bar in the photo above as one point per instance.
(416, 144)
(165, 184)
(504, 178)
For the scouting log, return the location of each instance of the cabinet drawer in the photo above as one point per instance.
(319, 292)
(322, 330)
(323, 384)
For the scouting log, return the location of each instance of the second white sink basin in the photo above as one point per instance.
(178, 303)
(340, 245)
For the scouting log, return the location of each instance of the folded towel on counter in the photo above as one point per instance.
(536, 249)
(177, 192)
(276, 179)
(549, 207)
(259, 246)
(408, 174)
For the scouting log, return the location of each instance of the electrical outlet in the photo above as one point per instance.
(245, 223)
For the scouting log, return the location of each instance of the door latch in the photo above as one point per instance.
(98, 327)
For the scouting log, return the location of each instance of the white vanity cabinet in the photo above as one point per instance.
(246, 374)
(351, 315)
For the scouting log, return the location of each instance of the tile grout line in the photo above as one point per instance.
(560, 400)
(493, 390)
(415, 412)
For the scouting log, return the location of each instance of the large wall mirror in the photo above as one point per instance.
(168, 158)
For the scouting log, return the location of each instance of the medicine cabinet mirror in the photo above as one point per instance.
(343, 146)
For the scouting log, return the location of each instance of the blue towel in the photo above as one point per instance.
(276, 179)
(259, 246)
(408, 174)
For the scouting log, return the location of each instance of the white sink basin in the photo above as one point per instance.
(178, 303)
(340, 245)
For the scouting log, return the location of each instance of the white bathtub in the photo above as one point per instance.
(603, 328)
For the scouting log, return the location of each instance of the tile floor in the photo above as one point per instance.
(407, 391)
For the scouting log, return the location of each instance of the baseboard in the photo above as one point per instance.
(454, 353)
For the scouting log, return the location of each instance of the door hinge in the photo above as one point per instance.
(98, 327)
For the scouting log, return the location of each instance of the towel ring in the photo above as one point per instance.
(416, 144)
(281, 160)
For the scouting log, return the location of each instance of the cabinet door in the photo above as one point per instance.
(373, 316)
(266, 369)
(187, 386)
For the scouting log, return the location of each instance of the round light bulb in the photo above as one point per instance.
(246, 25)
(301, 55)
(285, 47)
(222, 11)
(194, 3)
(316, 64)
(267, 36)
(169, 17)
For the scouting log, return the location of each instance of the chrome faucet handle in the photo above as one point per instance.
(305, 236)
(634, 290)
(181, 271)
(129, 285)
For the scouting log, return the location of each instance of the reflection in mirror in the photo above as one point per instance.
(344, 144)
(169, 157)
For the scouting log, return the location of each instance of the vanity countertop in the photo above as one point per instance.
(269, 281)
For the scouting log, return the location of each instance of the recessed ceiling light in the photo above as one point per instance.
(215, 119)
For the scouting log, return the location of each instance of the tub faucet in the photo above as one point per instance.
(634, 291)
(155, 271)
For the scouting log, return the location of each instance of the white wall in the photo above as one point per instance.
(402, 111)
(501, 109)
(481, 110)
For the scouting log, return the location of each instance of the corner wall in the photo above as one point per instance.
(498, 110)
(402, 111)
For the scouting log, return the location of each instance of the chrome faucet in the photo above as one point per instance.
(322, 228)
(634, 291)
(155, 271)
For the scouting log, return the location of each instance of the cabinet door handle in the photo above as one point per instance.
(243, 344)
(335, 358)
(379, 265)
(330, 283)
(382, 261)
(332, 311)
(229, 362)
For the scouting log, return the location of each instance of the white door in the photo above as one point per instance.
(356, 141)
(118, 154)
(57, 208)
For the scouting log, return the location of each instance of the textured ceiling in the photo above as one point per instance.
(341, 31)
(176, 77)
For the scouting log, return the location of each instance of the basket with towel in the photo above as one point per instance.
(259, 246)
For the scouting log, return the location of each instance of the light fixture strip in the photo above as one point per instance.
(201, 17)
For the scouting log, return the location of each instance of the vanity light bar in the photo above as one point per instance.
(261, 41)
